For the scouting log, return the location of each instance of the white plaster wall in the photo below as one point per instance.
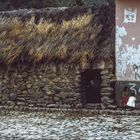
(127, 41)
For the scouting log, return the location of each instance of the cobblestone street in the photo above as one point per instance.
(61, 126)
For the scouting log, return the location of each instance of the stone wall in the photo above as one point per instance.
(47, 86)
(107, 90)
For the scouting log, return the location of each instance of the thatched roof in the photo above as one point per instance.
(69, 35)
(38, 4)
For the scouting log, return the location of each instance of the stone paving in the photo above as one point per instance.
(67, 126)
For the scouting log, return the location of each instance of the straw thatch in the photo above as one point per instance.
(68, 35)
(23, 4)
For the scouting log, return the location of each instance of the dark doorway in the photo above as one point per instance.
(91, 85)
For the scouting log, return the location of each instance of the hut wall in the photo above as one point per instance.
(48, 86)
(107, 85)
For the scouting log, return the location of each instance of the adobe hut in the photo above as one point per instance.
(57, 58)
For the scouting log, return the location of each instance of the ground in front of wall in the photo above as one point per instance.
(58, 126)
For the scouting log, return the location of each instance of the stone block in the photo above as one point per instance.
(112, 106)
(109, 66)
(23, 87)
(11, 103)
(77, 95)
(56, 99)
(65, 106)
(20, 103)
(104, 72)
(106, 81)
(29, 86)
(61, 95)
(31, 102)
(49, 93)
(92, 106)
(31, 105)
(65, 95)
(67, 89)
(41, 100)
(35, 87)
(25, 92)
(12, 96)
(107, 89)
(5, 97)
(79, 105)
(103, 106)
(106, 94)
(52, 106)
(57, 90)
(20, 99)
(78, 79)
(105, 85)
(105, 98)
(110, 101)
(68, 100)
(41, 105)
(24, 74)
(44, 80)
(106, 77)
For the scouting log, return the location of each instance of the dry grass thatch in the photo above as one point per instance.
(75, 39)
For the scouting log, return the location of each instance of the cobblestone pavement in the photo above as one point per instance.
(61, 126)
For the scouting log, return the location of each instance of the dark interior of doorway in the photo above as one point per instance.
(91, 85)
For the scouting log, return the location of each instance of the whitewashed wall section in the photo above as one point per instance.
(127, 55)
